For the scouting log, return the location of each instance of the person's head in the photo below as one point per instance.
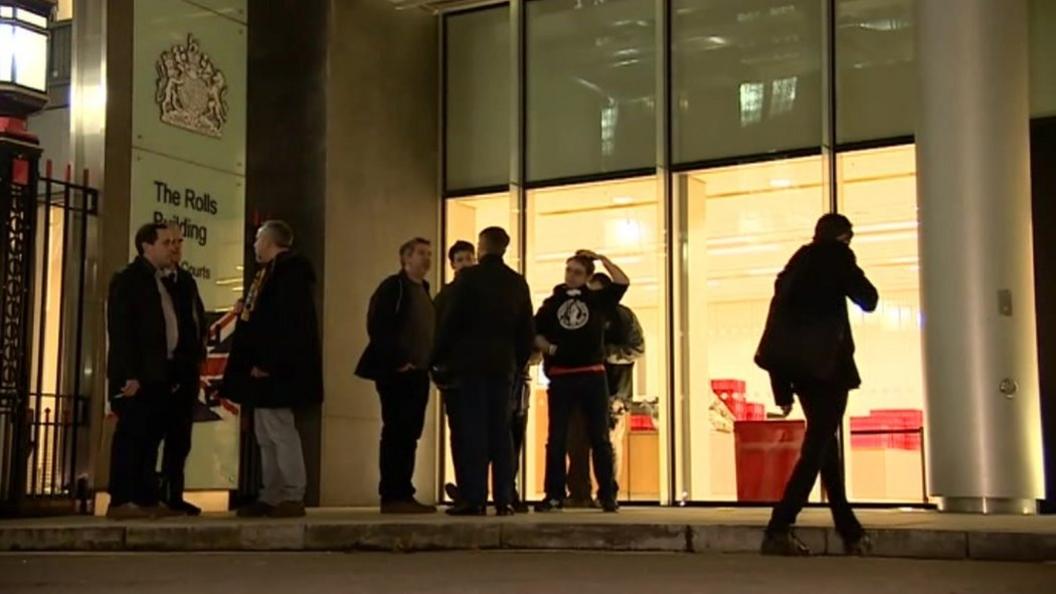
(273, 238)
(416, 257)
(599, 281)
(834, 227)
(493, 241)
(578, 270)
(154, 244)
(462, 255)
(177, 243)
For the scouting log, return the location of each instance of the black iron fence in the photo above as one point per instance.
(43, 400)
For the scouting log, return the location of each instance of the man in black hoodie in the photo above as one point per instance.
(401, 323)
(276, 367)
(808, 349)
(571, 327)
(485, 340)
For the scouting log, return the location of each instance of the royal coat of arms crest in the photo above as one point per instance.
(191, 91)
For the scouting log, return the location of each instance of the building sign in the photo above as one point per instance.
(188, 169)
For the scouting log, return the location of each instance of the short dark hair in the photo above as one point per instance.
(148, 234)
(831, 227)
(496, 238)
(409, 246)
(280, 231)
(602, 279)
(585, 262)
(459, 247)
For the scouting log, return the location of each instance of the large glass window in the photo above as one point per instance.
(478, 99)
(623, 220)
(591, 87)
(741, 225)
(878, 192)
(1042, 58)
(747, 77)
(876, 75)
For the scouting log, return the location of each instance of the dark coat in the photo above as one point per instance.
(138, 347)
(486, 325)
(386, 316)
(281, 337)
(808, 334)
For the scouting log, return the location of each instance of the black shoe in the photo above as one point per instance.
(257, 509)
(185, 508)
(784, 544)
(520, 507)
(453, 493)
(504, 511)
(610, 506)
(406, 507)
(858, 547)
(466, 509)
(580, 503)
(549, 505)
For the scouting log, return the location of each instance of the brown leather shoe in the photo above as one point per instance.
(409, 506)
(288, 509)
(128, 511)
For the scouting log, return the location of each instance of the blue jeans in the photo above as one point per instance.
(589, 392)
(484, 417)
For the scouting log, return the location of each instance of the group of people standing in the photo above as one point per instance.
(475, 341)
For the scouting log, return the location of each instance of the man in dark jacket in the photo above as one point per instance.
(808, 349)
(485, 340)
(570, 327)
(461, 256)
(190, 353)
(275, 367)
(401, 323)
(144, 335)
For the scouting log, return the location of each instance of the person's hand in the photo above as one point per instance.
(239, 306)
(545, 346)
(131, 388)
(407, 367)
(258, 373)
(589, 254)
(786, 410)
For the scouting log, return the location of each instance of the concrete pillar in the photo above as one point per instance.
(983, 430)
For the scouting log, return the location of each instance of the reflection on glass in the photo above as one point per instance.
(885, 459)
(746, 77)
(591, 87)
(623, 220)
(742, 224)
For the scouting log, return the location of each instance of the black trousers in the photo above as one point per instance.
(179, 425)
(486, 439)
(453, 407)
(589, 393)
(404, 398)
(824, 408)
(620, 387)
(134, 452)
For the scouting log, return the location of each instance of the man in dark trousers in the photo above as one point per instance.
(190, 353)
(571, 326)
(401, 324)
(144, 335)
(462, 255)
(276, 367)
(808, 349)
(624, 345)
(485, 340)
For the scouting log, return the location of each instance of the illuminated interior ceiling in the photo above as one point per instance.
(438, 6)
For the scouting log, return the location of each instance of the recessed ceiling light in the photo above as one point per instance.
(622, 200)
(780, 182)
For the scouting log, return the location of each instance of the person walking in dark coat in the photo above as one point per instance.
(808, 349)
(401, 324)
(144, 335)
(485, 340)
(190, 353)
(461, 256)
(570, 327)
(276, 367)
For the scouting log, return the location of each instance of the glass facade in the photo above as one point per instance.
(704, 236)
